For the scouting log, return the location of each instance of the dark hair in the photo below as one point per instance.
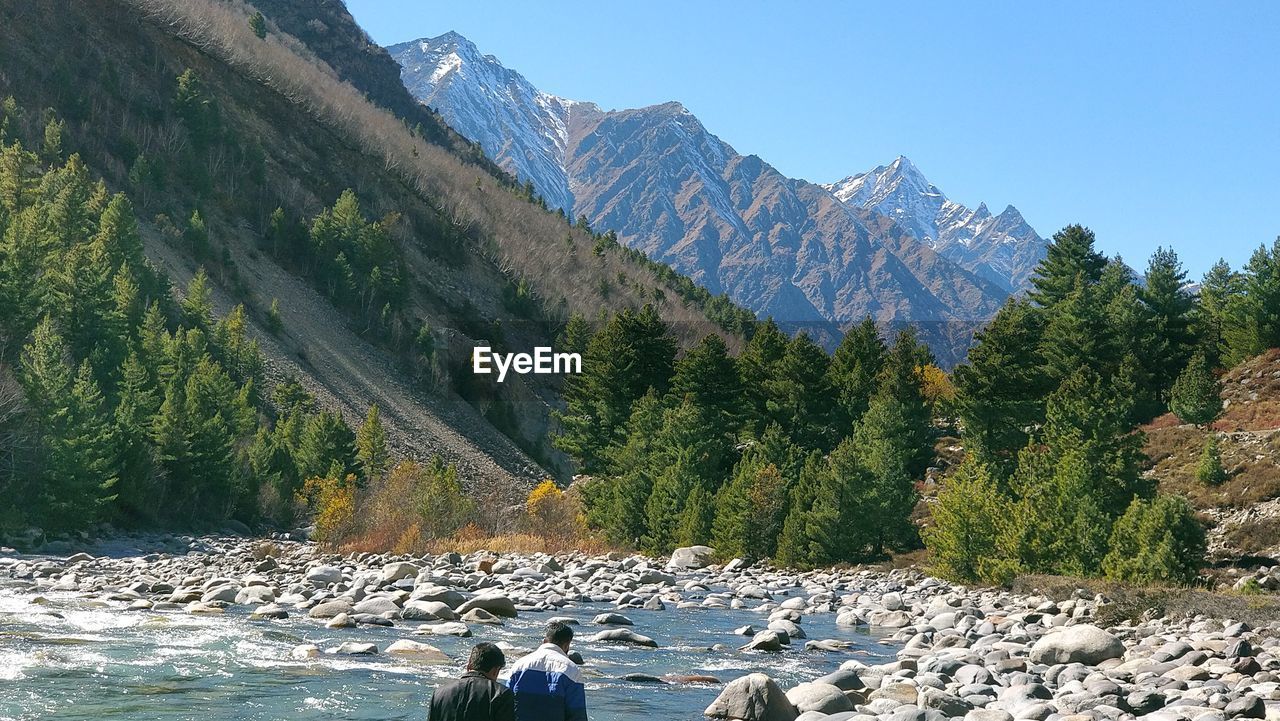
(558, 633)
(485, 657)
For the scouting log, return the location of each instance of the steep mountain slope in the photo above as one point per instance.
(274, 127)
(669, 187)
(1002, 248)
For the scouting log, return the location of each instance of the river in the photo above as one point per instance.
(71, 657)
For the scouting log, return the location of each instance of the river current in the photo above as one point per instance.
(63, 656)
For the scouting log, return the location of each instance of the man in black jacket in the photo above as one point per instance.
(477, 696)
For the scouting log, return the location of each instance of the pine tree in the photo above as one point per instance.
(616, 504)
(893, 447)
(630, 355)
(1170, 309)
(54, 133)
(696, 518)
(1209, 470)
(1196, 394)
(666, 503)
(964, 529)
(1077, 335)
(1086, 415)
(258, 24)
(371, 446)
(756, 365)
(731, 533)
(1157, 541)
(1253, 314)
(1061, 524)
(134, 412)
(118, 233)
(708, 376)
(855, 368)
(1070, 261)
(839, 526)
(326, 439)
(576, 335)
(197, 304)
(1217, 294)
(795, 542)
(1000, 389)
(799, 394)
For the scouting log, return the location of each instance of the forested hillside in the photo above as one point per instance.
(364, 255)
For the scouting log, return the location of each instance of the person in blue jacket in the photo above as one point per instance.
(547, 683)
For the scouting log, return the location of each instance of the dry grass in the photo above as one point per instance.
(1251, 393)
(1133, 603)
(1252, 462)
(1252, 538)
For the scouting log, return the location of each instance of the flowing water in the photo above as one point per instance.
(76, 658)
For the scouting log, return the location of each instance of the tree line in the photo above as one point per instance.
(1049, 403)
(786, 452)
(782, 451)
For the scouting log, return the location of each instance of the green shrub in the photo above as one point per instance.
(966, 524)
(1157, 541)
(1210, 471)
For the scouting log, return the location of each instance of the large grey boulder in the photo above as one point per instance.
(420, 652)
(393, 572)
(754, 697)
(442, 594)
(623, 635)
(495, 603)
(324, 575)
(428, 611)
(821, 697)
(691, 557)
(255, 595)
(771, 641)
(377, 606)
(329, 609)
(1085, 644)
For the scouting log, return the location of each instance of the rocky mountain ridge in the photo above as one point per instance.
(783, 247)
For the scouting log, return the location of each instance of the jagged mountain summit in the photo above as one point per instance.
(1003, 248)
(783, 247)
(520, 127)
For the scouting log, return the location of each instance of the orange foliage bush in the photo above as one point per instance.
(334, 503)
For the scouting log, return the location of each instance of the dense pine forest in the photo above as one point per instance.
(786, 453)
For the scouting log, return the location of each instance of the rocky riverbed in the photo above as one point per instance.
(857, 644)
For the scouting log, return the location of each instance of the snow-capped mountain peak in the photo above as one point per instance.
(529, 130)
(1003, 248)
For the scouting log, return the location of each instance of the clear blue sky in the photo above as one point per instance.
(1152, 123)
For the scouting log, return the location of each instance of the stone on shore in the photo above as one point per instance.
(495, 603)
(1085, 644)
(329, 609)
(754, 697)
(690, 558)
(820, 697)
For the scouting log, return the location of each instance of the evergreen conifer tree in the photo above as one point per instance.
(1195, 397)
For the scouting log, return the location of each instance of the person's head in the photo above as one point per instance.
(486, 658)
(559, 633)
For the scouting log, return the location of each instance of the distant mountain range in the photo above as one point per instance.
(885, 243)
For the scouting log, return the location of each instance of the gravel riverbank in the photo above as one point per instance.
(976, 654)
